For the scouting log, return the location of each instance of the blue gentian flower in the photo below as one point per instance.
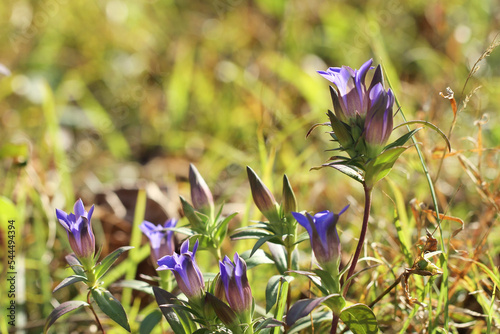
(366, 111)
(160, 239)
(234, 278)
(186, 271)
(79, 229)
(322, 229)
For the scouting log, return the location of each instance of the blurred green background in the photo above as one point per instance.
(108, 95)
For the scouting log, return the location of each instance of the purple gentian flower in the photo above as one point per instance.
(322, 229)
(186, 271)
(160, 239)
(79, 229)
(236, 287)
(368, 108)
(351, 89)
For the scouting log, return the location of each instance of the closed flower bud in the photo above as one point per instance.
(236, 287)
(79, 230)
(186, 271)
(201, 195)
(262, 196)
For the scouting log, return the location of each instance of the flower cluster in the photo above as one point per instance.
(363, 117)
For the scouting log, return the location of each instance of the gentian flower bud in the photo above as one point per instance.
(236, 287)
(186, 271)
(262, 196)
(201, 195)
(160, 240)
(379, 119)
(322, 229)
(79, 229)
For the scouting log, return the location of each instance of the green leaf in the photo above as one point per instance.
(430, 125)
(259, 257)
(70, 280)
(62, 309)
(75, 264)
(249, 234)
(335, 302)
(136, 285)
(380, 166)
(281, 303)
(268, 323)
(347, 170)
(190, 213)
(150, 322)
(360, 319)
(317, 319)
(278, 253)
(302, 308)
(223, 311)
(402, 140)
(221, 228)
(108, 261)
(180, 321)
(260, 242)
(272, 291)
(111, 307)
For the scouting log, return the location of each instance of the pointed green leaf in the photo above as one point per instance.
(180, 321)
(190, 213)
(70, 280)
(278, 253)
(111, 307)
(281, 303)
(380, 166)
(272, 291)
(61, 310)
(221, 228)
(108, 261)
(136, 285)
(249, 234)
(150, 322)
(257, 258)
(75, 264)
(268, 323)
(223, 311)
(360, 319)
(335, 302)
(402, 140)
(347, 170)
(302, 308)
(260, 242)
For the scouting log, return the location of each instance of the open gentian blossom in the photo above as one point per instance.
(367, 109)
(236, 287)
(186, 271)
(79, 229)
(160, 239)
(322, 229)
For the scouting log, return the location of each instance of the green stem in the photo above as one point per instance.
(364, 228)
(99, 325)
